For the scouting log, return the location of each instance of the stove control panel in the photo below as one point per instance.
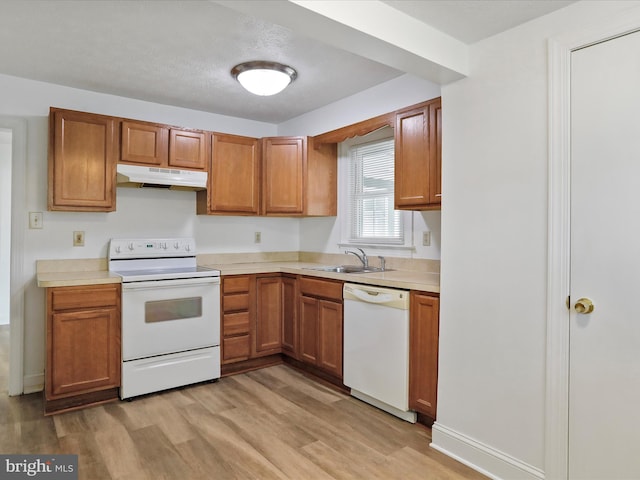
(151, 247)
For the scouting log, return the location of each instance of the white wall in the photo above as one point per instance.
(5, 223)
(324, 234)
(384, 98)
(494, 248)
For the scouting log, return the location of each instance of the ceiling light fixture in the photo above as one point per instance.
(264, 78)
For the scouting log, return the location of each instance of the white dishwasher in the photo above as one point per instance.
(376, 347)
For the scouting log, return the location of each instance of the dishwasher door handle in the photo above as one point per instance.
(384, 297)
(371, 297)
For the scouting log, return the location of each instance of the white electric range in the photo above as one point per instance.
(170, 314)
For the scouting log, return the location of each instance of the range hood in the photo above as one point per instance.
(139, 176)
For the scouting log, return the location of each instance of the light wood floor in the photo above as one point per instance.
(273, 423)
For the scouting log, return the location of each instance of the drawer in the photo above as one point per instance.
(235, 324)
(235, 349)
(233, 303)
(314, 287)
(91, 296)
(235, 284)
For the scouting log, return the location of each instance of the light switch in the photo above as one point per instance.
(35, 219)
(426, 238)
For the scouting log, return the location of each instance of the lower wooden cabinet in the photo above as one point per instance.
(83, 346)
(320, 323)
(423, 353)
(252, 316)
(237, 297)
(269, 308)
(289, 316)
(265, 315)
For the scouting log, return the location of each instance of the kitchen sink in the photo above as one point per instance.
(348, 269)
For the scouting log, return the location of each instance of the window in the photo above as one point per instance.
(372, 219)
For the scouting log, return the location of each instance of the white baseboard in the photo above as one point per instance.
(483, 458)
(33, 383)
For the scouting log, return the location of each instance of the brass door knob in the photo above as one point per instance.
(584, 306)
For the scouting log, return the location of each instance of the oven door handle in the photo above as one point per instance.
(180, 282)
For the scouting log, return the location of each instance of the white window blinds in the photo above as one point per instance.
(372, 217)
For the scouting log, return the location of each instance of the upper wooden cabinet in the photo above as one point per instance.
(299, 177)
(275, 176)
(188, 149)
(418, 157)
(144, 143)
(234, 177)
(83, 151)
(151, 144)
(284, 165)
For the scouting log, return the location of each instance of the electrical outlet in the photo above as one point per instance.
(426, 238)
(78, 239)
(257, 237)
(35, 219)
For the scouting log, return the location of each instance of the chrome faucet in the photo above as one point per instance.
(361, 256)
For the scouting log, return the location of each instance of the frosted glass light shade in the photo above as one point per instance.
(264, 78)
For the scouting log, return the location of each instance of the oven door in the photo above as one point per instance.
(168, 316)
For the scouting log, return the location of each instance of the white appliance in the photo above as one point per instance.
(170, 314)
(376, 347)
(173, 178)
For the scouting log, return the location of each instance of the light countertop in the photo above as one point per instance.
(71, 279)
(404, 279)
(71, 273)
(64, 273)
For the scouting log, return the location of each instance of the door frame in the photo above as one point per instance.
(559, 230)
(17, 281)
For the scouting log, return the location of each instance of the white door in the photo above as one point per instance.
(604, 370)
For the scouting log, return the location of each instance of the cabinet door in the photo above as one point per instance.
(83, 351)
(82, 161)
(321, 187)
(144, 143)
(423, 353)
(284, 170)
(418, 157)
(330, 337)
(289, 317)
(188, 149)
(435, 153)
(234, 180)
(268, 318)
(309, 311)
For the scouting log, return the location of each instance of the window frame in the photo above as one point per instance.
(344, 203)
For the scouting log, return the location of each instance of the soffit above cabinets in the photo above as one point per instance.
(181, 53)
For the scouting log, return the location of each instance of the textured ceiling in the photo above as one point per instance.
(181, 52)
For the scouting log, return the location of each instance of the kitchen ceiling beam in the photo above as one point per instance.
(405, 43)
